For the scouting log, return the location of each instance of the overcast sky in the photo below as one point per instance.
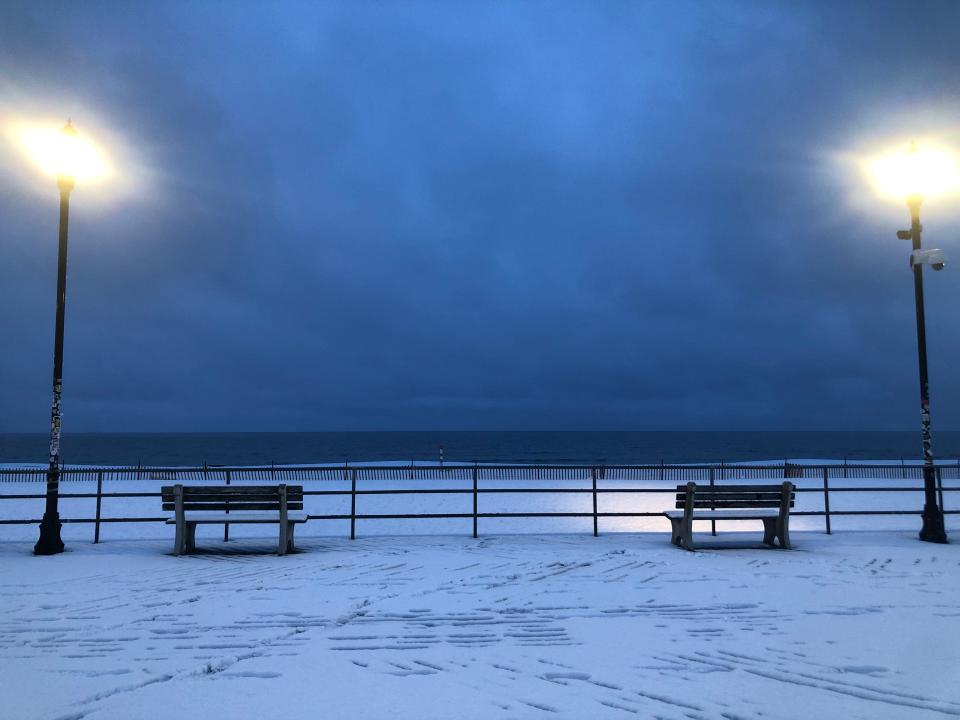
(492, 215)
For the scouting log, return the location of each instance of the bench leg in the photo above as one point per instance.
(784, 533)
(290, 545)
(191, 537)
(284, 534)
(678, 534)
(178, 539)
(685, 533)
(674, 530)
(769, 530)
(686, 539)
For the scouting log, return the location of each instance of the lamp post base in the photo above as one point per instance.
(933, 529)
(49, 542)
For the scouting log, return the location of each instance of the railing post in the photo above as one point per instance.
(475, 483)
(940, 489)
(593, 476)
(96, 526)
(226, 526)
(826, 497)
(713, 523)
(353, 504)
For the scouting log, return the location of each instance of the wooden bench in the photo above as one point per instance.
(193, 505)
(770, 503)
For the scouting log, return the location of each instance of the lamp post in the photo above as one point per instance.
(50, 542)
(914, 176)
(66, 156)
(933, 529)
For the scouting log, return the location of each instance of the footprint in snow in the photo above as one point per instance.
(251, 674)
(863, 669)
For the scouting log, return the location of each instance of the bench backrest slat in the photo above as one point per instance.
(744, 496)
(231, 506)
(203, 493)
(699, 504)
(232, 489)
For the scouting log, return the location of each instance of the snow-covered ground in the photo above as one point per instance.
(854, 625)
(861, 624)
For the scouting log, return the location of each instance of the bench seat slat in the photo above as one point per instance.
(221, 518)
(232, 499)
(230, 489)
(237, 506)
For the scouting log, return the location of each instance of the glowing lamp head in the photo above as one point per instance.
(915, 174)
(65, 154)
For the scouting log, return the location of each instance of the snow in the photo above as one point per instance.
(859, 624)
(855, 625)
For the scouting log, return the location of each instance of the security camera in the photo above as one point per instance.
(933, 257)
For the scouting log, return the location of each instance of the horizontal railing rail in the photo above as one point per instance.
(667, 473)
(663, 478)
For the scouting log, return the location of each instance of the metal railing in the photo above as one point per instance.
(476, 475)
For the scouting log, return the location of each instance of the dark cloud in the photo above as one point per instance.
(368, 215)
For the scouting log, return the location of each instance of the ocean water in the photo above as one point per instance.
(485, 447)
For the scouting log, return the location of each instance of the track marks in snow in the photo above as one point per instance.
(780, 667)
(540, 706)
(417, 629)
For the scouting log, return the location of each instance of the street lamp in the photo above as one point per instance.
(67, 156)
(913, 176)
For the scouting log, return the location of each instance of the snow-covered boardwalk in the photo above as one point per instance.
(857, 625)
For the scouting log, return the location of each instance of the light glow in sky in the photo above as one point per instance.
(921, 170)
(55, 152)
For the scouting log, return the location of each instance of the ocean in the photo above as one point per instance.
(574, 447)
